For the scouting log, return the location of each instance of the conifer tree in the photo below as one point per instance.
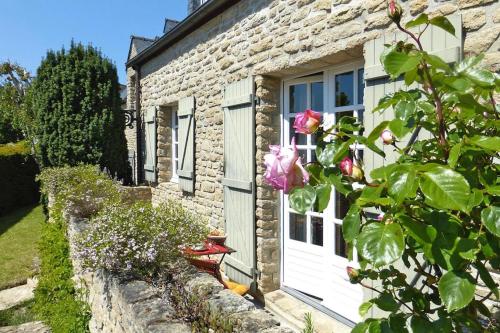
(76, 102)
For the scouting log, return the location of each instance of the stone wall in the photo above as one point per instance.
(272, 39)
(134, 306)
(132, 194)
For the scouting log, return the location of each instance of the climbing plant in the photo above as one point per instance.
(426, 225)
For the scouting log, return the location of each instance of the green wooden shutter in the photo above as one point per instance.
(150, 144)
(239, 174)
(185, 171)
(377, 84)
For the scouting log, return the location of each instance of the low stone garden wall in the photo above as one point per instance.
(136, 306)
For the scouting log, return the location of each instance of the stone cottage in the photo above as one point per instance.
(216, 89)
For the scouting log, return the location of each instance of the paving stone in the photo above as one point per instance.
(17, 295)
(32, 327)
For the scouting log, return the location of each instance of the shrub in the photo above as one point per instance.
(75, 97)
(83, 190)
(57, 301)
(140, 240)
(439, 202)
(17, 182)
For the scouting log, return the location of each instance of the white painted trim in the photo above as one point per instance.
(174, 126)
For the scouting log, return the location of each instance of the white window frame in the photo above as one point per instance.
(175, 144)
(327, 76)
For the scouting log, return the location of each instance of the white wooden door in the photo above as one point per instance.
(314, 251)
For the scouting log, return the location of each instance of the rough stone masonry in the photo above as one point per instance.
(271, 40)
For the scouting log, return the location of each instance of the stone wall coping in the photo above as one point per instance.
(120, 305)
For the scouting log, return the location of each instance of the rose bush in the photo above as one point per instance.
(435, 209)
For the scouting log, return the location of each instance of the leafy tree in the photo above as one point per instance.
(15, 118)
(438, 202)
(75, 97)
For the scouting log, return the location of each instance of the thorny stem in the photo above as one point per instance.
(437, 99)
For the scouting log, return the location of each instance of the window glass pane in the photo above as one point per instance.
(361, 85)
(300, 139)
(344, 89)
(316, 230)
(298, 98)
(298, 227)
(303, 155)
(339, 115)
(341, 205)
(340, 244)
(317, 96)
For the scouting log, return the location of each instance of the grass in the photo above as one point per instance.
(19, 235)
(18, 315)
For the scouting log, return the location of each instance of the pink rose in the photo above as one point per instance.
(352, 273)
(307, 122)
(394, 11)
(284, 170)
(387, 137)
(348, 168)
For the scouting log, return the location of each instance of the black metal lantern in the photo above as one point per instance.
(130, 118)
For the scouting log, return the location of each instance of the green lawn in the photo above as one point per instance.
(19, 235)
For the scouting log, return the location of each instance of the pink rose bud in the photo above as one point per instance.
(357, 173)
(307, 122)
(352, 273)
(387, 137)
(348, 168)
(284, 170)
(394, 11)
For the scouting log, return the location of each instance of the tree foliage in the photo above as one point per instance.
(439, 203)
(15, 120)
(76, 102)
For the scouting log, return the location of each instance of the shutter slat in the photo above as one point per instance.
(186, 129)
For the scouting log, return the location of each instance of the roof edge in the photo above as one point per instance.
(200, 16)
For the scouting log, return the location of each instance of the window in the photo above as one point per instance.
(336, 93)
(302, 94)
(175, 146)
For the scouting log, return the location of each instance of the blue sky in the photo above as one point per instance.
(28, 28)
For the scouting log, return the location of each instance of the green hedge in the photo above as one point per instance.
(18, 170)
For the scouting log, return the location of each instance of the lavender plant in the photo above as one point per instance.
(140, 240)
(83, 190)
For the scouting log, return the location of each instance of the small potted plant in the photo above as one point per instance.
(217, 236)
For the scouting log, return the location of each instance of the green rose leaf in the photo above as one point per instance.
(397, 63)
(487, 142)
(323, 192)
(364, 308)
(421, 19)
(490, 217)
(325, 156)
(405, 109)
(480, 77)
(401, 182)
(302, 199)
(351, 223)
(381, 244)
(399, 128)
(443, 23)
(386, 302)
(454, 155)
(456, 289)
(445, 188)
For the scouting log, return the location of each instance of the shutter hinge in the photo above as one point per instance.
(256, 99)
(256, 273)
